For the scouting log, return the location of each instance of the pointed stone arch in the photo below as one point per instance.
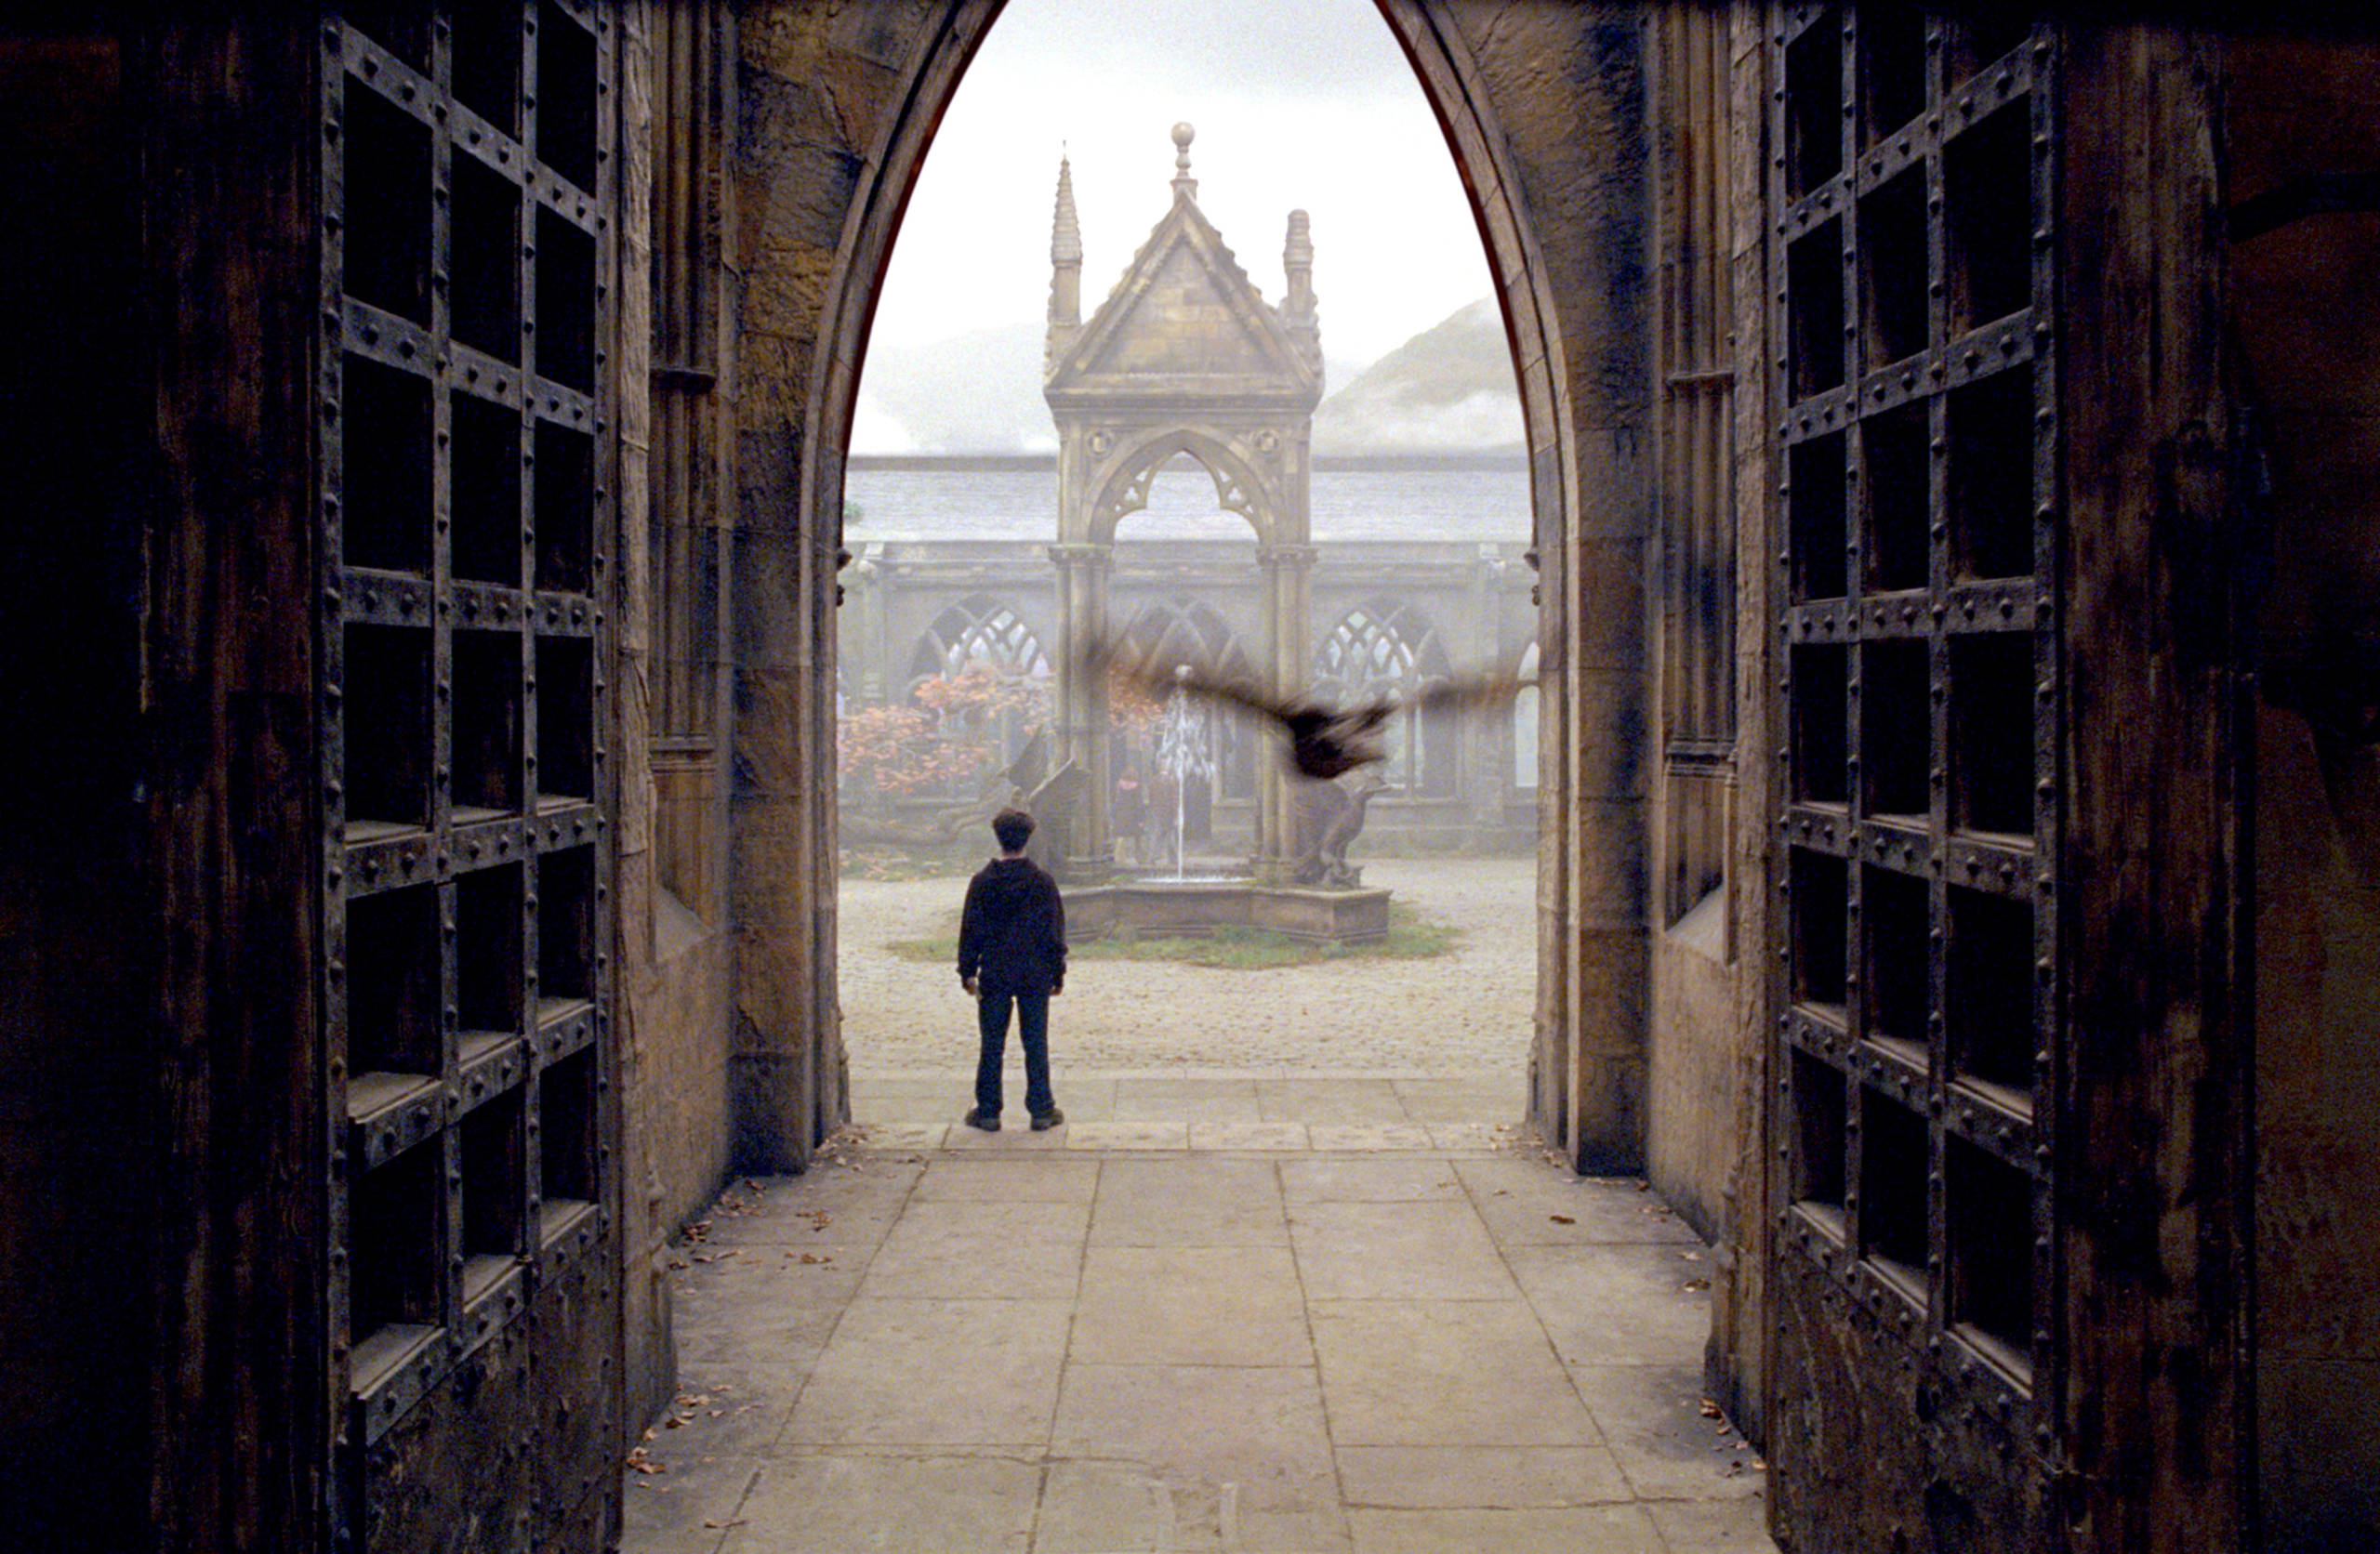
(1121, 482)
(1386, 648)
(1167, 632)
(982, 630)
(1560, 200)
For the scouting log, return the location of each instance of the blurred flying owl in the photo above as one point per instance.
(1324, 741)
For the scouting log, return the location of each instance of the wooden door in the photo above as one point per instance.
(473, 1122)
(1917, 971)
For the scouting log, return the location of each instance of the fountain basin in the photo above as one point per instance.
(1166, 908)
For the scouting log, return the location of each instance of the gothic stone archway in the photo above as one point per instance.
(1556, 175)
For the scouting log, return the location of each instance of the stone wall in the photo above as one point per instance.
(1695, 1070)
(1544, 110)
(1707, 1040)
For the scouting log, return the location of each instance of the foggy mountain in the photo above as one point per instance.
(1448, 390)
(974, 394)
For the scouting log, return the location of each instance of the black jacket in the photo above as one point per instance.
(1013, 932)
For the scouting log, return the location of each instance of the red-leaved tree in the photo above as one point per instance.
(954, 735)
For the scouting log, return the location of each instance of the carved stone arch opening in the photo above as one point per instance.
(982, 674)
(1571, 288)
(980, 632)
(1124, 482)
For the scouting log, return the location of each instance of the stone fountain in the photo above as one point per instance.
(1324, 900)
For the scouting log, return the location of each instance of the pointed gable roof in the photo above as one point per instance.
(1184, 323)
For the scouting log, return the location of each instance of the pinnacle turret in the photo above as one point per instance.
(1065, 231)
(1065, 270)
(1298, 307)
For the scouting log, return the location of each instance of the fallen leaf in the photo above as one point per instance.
(1561, 1218)
(1710, 1409)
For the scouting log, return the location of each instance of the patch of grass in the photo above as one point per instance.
(1410, 937)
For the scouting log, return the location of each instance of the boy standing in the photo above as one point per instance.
(1013, 950)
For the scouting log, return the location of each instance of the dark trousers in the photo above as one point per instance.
(1032, 1033)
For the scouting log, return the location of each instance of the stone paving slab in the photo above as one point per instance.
(1155, 1340)
(1234, 1112)
(1444, 1373)
(1191, 1306)
(1595, 1529)
(1180, 1201)
(1417, 1251)
(1446, 1478)
(1245, 1138)
(832, 1503)
(929, 1373)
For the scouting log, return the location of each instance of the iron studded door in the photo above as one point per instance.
(1911, 234)
(465, 242)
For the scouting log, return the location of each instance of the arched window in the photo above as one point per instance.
(979, 633)
(1382, 650)
(983, 675)
(1525, 713)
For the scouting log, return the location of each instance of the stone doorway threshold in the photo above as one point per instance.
(1219, 1312)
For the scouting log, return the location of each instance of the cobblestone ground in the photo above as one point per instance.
(1466, 1013)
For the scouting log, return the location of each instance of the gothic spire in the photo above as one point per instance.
(1065, 270)
(1065, 232)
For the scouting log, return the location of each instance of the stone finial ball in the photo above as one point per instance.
(1184, 135)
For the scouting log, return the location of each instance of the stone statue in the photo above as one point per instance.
(1331, 815)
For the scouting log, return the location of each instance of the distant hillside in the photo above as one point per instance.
(1448, 390)
(977, 393)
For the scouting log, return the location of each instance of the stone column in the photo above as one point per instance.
(1288, 589)
(1480, 736)
(869, 582)
(1086, 848)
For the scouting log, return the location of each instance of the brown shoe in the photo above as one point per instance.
(988, 1121)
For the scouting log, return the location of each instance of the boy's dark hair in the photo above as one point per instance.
(1011, 826)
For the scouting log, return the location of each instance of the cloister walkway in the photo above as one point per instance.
(1220, 1311)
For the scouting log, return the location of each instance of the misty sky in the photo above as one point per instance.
(1306, 105)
